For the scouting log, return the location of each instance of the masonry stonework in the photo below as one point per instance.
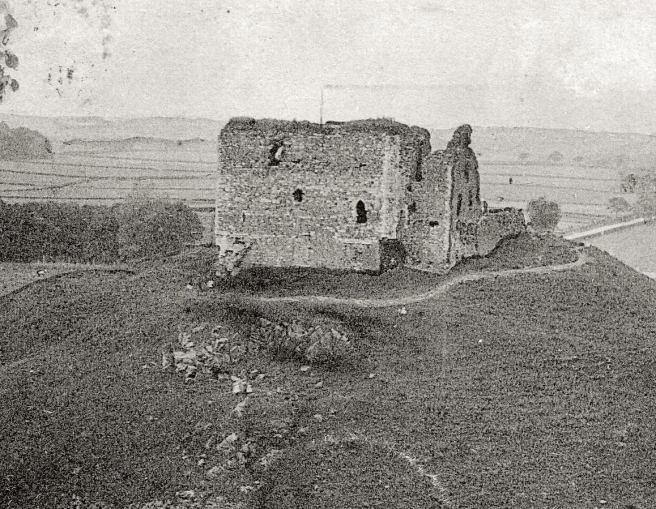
(498, 224)
(364, 195)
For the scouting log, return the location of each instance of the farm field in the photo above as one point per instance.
(582, 192)
(102, 176)
(106, 173)
(635, 246)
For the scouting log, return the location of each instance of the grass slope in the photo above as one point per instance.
(526, 391)
(521, 252)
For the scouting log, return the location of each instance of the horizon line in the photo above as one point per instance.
(114, 118)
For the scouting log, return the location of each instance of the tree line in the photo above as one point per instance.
(137, 228)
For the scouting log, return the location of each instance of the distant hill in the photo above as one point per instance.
(137, 143)
(558, 146)
(61, 129)
(22, 143)
(499, 144)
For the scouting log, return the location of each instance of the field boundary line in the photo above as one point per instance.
(66, 273)
(440, 492)
(602, 230)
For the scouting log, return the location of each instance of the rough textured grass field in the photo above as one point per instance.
(527, 391)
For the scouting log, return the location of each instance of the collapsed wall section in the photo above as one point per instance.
(465, 200)
(497, 225)
(444, 207)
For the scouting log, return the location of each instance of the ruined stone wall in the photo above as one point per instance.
(361, 195)
(495, 226)
(445, 207)
(466, 208)
(301, 195)
(426, 229)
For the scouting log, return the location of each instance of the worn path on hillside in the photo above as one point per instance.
(411, 299)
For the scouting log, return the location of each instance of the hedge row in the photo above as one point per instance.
(46, 231)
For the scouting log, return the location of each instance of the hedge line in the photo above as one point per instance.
(50, 231)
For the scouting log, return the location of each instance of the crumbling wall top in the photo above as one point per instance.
(461, 137)
(273, 127)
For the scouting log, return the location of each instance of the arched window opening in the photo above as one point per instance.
(243, 217)
(459, 206)
(361, 213)
(298, 195)
(471, 199)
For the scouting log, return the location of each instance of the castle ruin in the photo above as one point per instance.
(363, 195)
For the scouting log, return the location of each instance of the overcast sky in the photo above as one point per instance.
(586, 64)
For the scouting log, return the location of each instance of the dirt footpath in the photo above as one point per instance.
(14, 276)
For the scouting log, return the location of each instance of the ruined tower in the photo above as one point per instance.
(361, 195)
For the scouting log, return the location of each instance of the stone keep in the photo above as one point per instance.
(363, 195)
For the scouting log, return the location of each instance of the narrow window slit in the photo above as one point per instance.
(361, 213)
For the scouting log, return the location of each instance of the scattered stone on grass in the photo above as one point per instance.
(212, 351)
(315, 344)
(269, 458)
(239, 409)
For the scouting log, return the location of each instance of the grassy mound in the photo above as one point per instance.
(520, 252)
(534, 390)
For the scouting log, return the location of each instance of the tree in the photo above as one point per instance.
(153, 227)
(618, 205)
(544, 214)
(628, 184)
(7, 59)
(556, 157)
